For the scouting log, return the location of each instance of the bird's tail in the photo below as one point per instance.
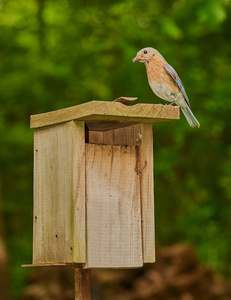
(190, 116)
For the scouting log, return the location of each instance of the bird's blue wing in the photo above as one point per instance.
(176, 78)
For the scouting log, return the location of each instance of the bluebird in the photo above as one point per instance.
(165, 82)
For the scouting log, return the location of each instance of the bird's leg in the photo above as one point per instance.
(171, 103)
(174, 101)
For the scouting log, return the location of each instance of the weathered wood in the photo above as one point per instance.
(78, 181)
(82, 284)
(142, 136)
(73, 265)
(106, 125)
(122, 136)
(145, 140)
(126, 100)
(59, 194)
(113, 207)
(95, 137)
(108, 112)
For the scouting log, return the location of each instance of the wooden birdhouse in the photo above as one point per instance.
(93, 184)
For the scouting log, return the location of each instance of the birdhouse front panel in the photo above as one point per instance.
(113, 207)
(140, 135)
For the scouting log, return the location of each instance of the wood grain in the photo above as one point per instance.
(82, 284)
(108, 112)
(126, 100)
(72, 265)
(95, 137)
(59, 194)
(145, 139)
(77, 138)
(142, 136)
(113, 207)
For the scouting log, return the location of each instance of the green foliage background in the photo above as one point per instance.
(55, 54)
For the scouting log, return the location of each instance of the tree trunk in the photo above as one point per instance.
(41, 24)
(4, 279)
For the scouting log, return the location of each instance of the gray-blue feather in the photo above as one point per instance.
(176, 78)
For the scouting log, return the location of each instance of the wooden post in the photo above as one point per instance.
(82, 284)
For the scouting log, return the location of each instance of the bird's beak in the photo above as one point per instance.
(135, 59)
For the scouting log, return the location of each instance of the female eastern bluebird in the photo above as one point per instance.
(165, 82)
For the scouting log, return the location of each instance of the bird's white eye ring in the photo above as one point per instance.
(145, 51)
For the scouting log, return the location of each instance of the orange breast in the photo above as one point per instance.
(156, 72)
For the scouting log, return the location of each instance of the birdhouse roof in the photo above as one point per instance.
(105, 115)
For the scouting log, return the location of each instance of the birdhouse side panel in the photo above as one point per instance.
(147, 191)
(59, 156)
(79, 199)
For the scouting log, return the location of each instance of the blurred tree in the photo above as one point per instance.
(4, 270)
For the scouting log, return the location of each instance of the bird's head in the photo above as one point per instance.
(145, 55)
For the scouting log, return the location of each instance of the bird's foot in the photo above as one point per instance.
(171, 103)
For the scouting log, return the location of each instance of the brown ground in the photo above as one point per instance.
(176, 275)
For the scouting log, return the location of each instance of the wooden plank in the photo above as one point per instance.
(145, 137)
(142, 136)
(95, 137)
(59, 194)
(108, 112)
(113, 207)
(73, 265)
(82, 284)
(126, 100)
(78, 181)
(106, 125)
(121, 136)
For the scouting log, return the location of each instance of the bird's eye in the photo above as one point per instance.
(145, 51)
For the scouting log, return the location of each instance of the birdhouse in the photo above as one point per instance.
(93, 184)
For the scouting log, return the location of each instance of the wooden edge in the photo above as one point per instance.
(110, 111)
(113, 267)
(82, 279)
(76, 265)
(73, 265)
(126, 100)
